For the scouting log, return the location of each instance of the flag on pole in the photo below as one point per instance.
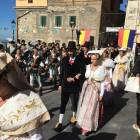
(126, 38)
(120, 37)
(131, 38)
(84, 36)
(87, 35)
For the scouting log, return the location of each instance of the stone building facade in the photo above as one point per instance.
(132, 20)
(50, 20)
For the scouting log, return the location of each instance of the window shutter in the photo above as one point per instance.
(72, 19)
(43, 21)
(58, 21)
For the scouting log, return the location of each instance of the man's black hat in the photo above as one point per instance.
(86, 44)
(71, 46)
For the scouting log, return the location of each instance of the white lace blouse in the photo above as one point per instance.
(97, 75)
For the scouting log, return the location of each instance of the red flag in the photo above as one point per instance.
(120, 37)
(87, 35)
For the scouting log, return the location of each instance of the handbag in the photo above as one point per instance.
(132, 85)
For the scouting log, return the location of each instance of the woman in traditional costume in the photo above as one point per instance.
(21, 110)
(91, 96)
(108, 65)
(130, 55)
(120, 74)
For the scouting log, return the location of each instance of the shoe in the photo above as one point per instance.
(136, 127)
(58, 127)
(73, 120)
(84, 133)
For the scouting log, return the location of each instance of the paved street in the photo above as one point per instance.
(117, 123)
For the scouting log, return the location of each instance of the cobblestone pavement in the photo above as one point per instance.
(117, 124)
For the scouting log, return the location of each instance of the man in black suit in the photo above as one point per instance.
(70, 73)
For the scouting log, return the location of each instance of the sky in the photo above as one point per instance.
(7, 14)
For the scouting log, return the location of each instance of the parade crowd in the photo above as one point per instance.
(89, 78)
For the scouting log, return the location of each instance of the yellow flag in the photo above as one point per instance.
(125, 38)
(82, 37)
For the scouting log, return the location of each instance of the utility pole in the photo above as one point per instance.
(13, 23)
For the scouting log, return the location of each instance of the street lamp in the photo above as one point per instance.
(72, 25)
(13, 23)
(78, 32)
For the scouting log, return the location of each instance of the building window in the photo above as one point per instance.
(30, 1)
(43, 21)
(72, 19)
(58, 21)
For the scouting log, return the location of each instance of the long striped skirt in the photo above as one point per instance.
(88, 107)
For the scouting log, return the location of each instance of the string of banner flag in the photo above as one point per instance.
(4, 28)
